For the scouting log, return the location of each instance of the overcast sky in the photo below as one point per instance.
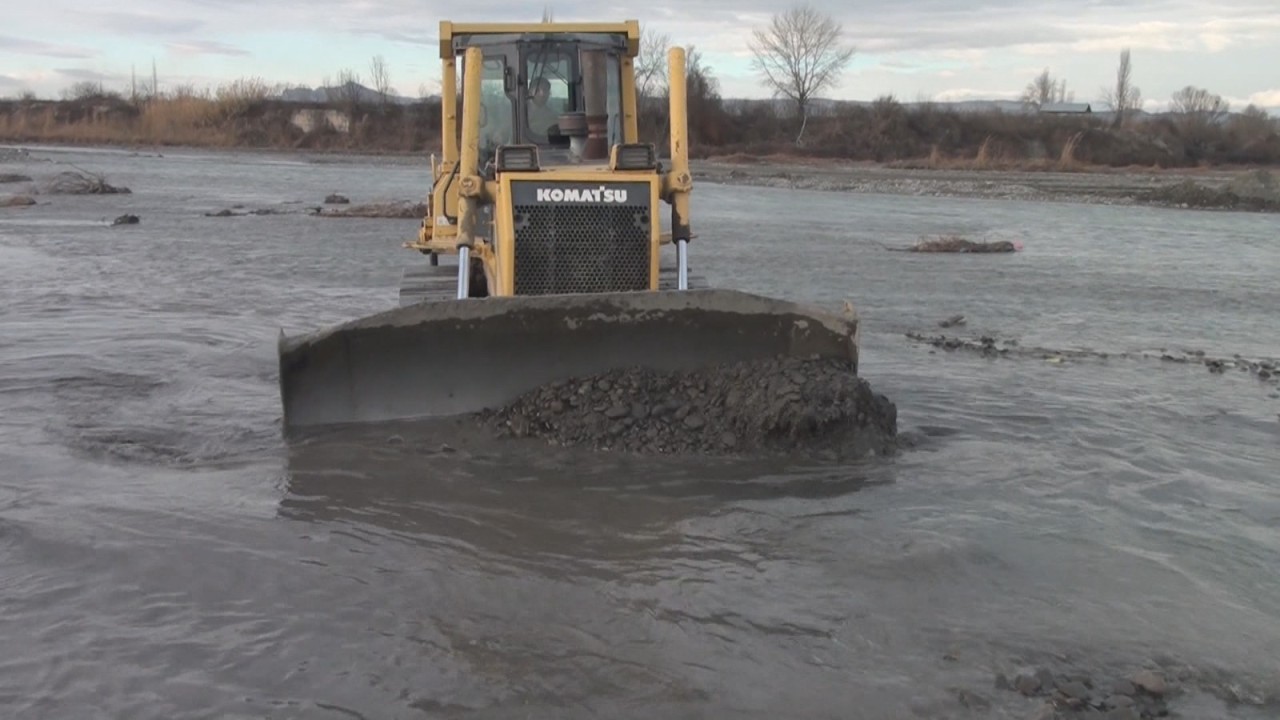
(914, 49)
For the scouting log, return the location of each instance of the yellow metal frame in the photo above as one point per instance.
(458, 190)
(448, 28)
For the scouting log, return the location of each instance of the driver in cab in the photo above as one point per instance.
(542, 118)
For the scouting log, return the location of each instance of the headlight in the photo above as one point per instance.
(514, 158)
(633, 156)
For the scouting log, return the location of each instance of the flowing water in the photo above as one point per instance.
(165, 555)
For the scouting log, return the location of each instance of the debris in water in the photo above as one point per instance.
(228, 212)
(952, 321)
(1266, 370)
(780, 405)
(13, 178)
(81, 183)
(957, 244)
(396, 210)
(17, 201)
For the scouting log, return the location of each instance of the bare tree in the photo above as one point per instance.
(1125, 97)
(798, 55)
(1199, 105)
(380, 77)
(651, 65)
(1044, 89)
(348, 90)
(84, 90)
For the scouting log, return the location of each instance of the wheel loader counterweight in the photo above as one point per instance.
(545, 252)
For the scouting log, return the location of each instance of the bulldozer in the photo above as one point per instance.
(542, 255)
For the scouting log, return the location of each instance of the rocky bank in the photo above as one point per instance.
(775, 406)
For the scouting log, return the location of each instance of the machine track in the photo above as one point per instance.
(432, 283)
(428, 283)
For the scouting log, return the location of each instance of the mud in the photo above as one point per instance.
(766, 406)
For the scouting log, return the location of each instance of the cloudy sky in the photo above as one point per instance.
(914, 49)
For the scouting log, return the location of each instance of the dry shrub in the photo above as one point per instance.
(238, 96)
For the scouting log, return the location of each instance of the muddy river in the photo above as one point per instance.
(166, 555)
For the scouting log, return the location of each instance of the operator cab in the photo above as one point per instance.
(561, 93)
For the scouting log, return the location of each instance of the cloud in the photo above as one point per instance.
(10, 82)
(1266, 98)
(962, 94)
(82, 74)
(908, 47)
(23, 46)
(427, 39)
(146, 23)
(205, 47)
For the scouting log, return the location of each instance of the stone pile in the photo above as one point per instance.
(780, 405)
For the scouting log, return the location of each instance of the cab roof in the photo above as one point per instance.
(630, 29)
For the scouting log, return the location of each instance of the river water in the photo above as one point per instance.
(165, 555)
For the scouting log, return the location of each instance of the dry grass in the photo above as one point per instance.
(935, 156)
(1067, 160)
(983, 160)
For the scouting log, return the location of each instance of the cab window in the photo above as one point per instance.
(548, 93)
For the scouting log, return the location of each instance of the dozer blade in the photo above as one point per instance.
(461, 356)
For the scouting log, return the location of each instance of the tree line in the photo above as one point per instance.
(801, 53)
(799, 56)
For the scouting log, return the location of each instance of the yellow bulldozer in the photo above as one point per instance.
(542, 254)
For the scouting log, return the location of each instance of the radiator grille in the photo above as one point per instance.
(581, 249)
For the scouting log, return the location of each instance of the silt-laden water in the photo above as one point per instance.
(165, 555)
